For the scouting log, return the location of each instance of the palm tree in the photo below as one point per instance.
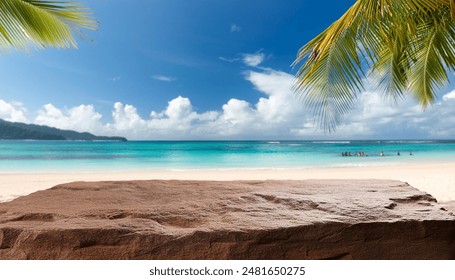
(405, 46)
(26, 24)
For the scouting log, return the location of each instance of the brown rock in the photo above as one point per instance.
(315, 219)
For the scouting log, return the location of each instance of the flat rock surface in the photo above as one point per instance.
(314, 219)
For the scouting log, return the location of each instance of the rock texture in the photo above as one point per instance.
(316, 219)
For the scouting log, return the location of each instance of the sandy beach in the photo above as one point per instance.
(437, 179)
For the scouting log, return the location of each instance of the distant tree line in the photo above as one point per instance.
(22, 131)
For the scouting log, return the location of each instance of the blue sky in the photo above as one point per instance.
(199, 69)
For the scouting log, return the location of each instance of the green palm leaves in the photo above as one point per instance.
(406, 46)
(26, 24)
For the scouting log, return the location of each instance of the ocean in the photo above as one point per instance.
(80, 156)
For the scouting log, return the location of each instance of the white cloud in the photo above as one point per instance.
(438, 120)
(235, 28)
(237, 113)
(249, 59)
(163, 78)
(179, 108)
(280, 105)
(253, 60)
(177, 121)
(406, 119)
(448, 96)
(126, 119)
(81, 118)
(13, 112)
(277, 114)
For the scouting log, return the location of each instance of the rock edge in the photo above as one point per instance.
(311, 219)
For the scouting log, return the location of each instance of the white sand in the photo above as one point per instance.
(438, 179)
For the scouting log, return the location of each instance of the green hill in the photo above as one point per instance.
(22, 131)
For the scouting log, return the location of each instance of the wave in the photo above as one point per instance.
(331, 142)
(274, 142)
(408, 141)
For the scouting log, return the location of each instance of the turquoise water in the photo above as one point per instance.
(46, 156)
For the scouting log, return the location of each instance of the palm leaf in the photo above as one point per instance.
(434, 50)
(38, 23)
(334, 70)
(407, 45)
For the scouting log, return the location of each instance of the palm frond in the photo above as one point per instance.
(433, 51)
(406, 44)
(334, 68)
(336, 77)
(388, 73)
(28, 24)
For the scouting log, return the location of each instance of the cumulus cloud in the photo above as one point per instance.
(177, 121)
(237, 112)
(279, 104)
(80, 118)
(13, 112)
(181, 121)
(179, 108)
(277, 114)
(126, 119)
(253, 60)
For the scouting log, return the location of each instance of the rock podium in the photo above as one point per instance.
(313, 219)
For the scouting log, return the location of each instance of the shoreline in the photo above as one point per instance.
(435, 178)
